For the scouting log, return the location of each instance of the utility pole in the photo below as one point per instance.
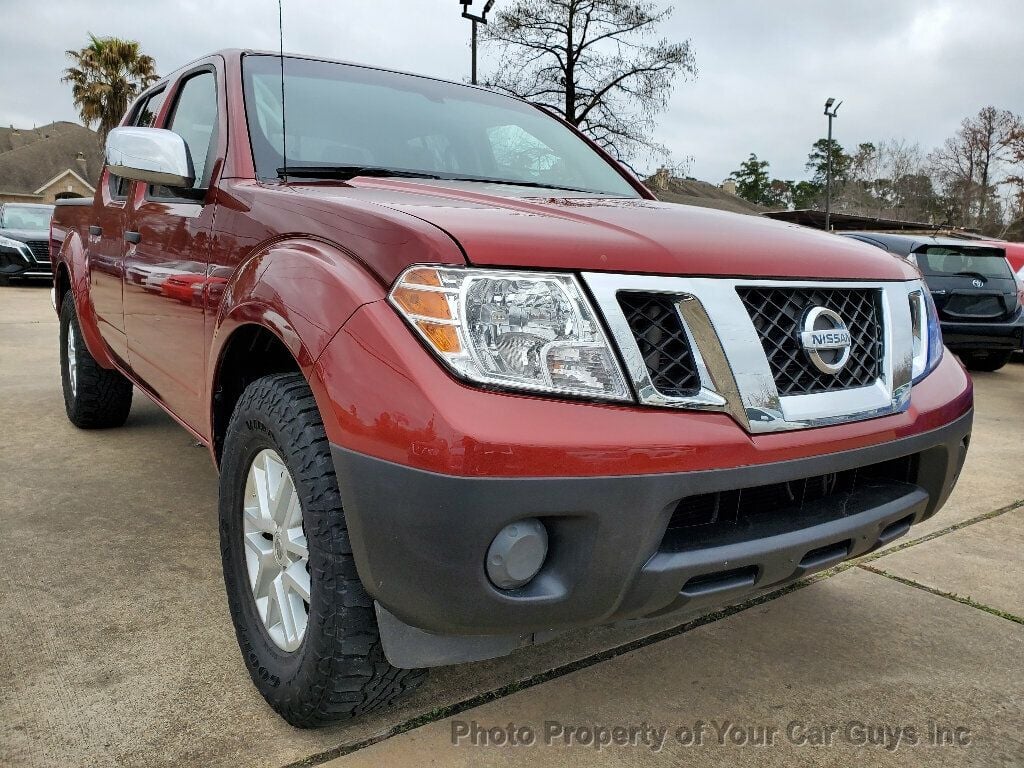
(481, 19)
(830, 112)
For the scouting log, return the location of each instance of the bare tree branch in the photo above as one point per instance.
(594, 62)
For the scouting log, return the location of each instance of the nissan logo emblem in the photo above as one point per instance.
(826, 340)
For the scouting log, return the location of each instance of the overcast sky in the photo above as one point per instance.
(904, 68)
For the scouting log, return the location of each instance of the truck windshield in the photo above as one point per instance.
(345, 118)
(967, 262)
(26, 216)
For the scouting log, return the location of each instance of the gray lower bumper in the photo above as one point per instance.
(419, 541)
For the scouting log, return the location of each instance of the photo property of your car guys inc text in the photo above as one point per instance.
(512, 382)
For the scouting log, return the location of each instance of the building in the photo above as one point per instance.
(49, 163)
(672, 189)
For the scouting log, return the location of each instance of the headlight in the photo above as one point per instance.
(927, 333)
(17, 245)
(531, 331)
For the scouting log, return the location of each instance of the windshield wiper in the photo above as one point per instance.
(344, 172)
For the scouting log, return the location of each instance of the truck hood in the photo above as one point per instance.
(495, 228)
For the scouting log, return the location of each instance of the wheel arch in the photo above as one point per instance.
(61, 283)
(71, 271)
(251, 352)
(276, 313)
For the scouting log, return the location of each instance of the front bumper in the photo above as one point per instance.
(22, 263)
(420, 538)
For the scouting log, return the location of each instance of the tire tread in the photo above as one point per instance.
(344, 672)
(103, 397)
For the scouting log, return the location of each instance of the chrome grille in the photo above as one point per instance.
(733, 325)
(777, 314)
(40, 250)
(654, 321)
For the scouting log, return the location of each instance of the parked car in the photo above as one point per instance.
(25, 240)
(976, 293)
(1015, 255)
(469, 385)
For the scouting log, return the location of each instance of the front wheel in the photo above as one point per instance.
(94, 397)
(986, 361)
(305, 624)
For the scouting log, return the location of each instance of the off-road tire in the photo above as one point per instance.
(986, 361)
(339, 671)
(101, 397)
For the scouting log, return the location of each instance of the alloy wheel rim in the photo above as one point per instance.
(72, 361)
(276, 553)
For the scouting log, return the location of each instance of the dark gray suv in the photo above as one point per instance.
(25, 240)
(974, 291)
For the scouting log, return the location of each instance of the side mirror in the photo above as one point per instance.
(150, 155)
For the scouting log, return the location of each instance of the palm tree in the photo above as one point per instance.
(106, 77)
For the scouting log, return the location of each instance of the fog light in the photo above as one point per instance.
(517, 553)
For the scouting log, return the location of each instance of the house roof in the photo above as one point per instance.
(12, 138)
(31, 158)
(700, 193)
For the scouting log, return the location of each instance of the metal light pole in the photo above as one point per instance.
(481, 19)
(830, 112)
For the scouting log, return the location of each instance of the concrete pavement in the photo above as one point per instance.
(858, 669)
(116, 647)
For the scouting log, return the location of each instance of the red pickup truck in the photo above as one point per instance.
(469, 385)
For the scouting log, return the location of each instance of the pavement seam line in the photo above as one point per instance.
(942, 593)
(872, 556)
(560, 671)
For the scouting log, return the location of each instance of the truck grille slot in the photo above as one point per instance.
(727, 517)
(40, 250)
(830, 553)
(721, 581)
(654, 320)
(777, 314)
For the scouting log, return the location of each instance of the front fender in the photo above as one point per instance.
(300, 289)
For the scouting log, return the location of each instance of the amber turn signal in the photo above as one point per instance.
(423, 303)
(422, 276)
(445, 338)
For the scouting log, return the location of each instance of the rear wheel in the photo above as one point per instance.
(986, 361)
(305, 624)
(94, 397)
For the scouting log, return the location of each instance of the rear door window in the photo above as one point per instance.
(148, 114)
(145, 117)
